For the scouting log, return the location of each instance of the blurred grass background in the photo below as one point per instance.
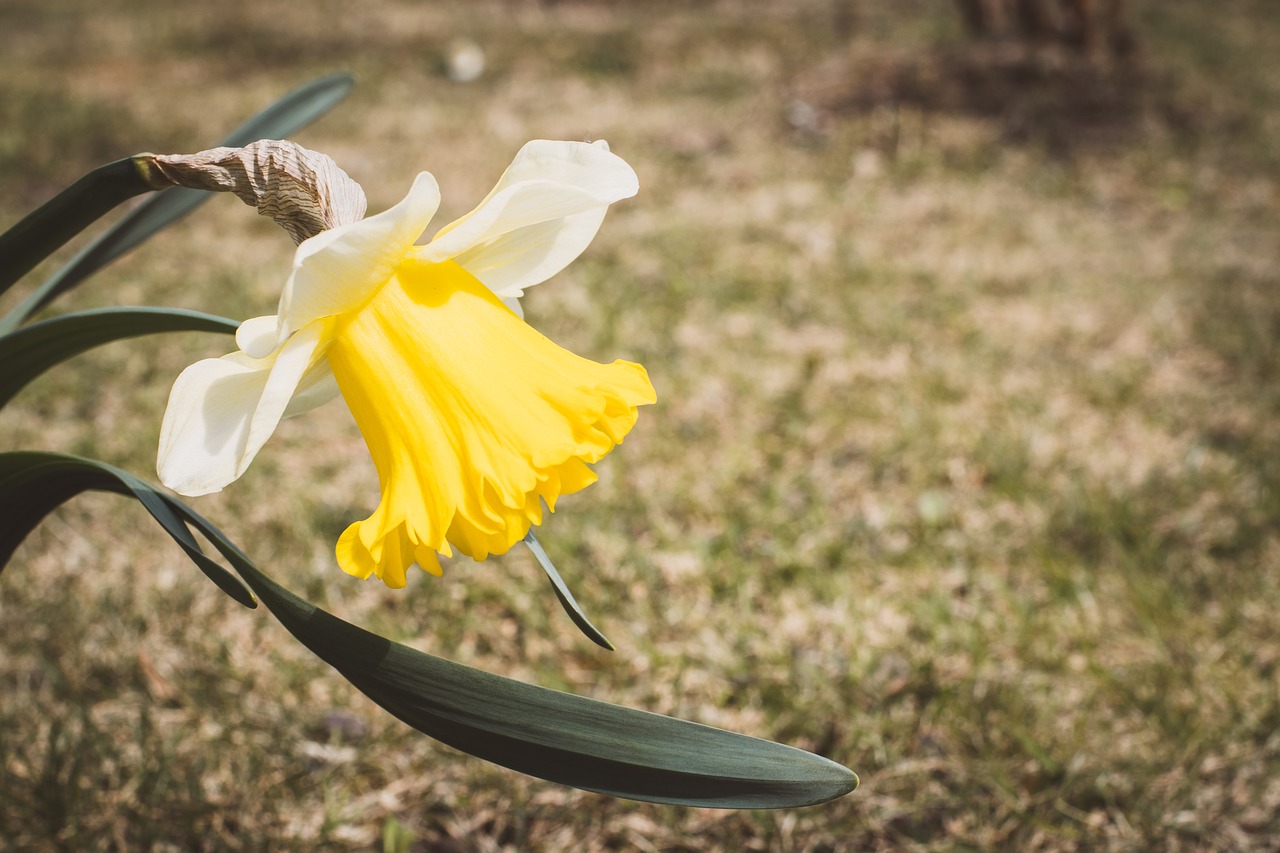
(964, 470)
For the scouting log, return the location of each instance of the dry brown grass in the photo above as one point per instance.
(963, 472)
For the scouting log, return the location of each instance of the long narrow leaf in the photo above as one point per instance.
(293, 111)
(567, 601)
(287, 115)
(557, 736)
(48, 227)
(33, 349)
(34, 484)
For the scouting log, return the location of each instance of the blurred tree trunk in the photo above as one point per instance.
(1088, 26)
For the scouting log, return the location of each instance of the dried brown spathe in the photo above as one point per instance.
(303, 190)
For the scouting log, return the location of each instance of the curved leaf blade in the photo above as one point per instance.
(34, 484)
(32, 350)
(292, 112)
(560, 737)
(43, 231)
(556, 736)
(567, 601)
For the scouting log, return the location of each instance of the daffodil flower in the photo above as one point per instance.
(472, 417)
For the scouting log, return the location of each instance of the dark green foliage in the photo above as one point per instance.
(557, 736)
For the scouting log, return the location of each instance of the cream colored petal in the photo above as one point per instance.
(205, 428)
(339, 269)
(222, 410)
(543, 212)
(256, 336)
(316, 388)
(514, 304)
(531, 255)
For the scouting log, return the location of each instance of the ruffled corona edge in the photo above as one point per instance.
(474, 420)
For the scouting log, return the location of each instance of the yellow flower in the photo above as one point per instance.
(472, 417)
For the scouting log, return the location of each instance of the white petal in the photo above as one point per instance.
(317, 387)
(543, 212)
(256, 336)
(222, 410)
(514, 304)
(533, 254)
(205, 428)
(339, 269)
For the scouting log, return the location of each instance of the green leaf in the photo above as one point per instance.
(287, 115)
(33, 349)
(557, 736)
(294, 111)
(567, 601)
(48, 227)
(34, 484)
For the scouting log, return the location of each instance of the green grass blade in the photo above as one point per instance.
(557, 736)
(48, 227)
(287, 115)
(33, 349)
(567, 601)
(34, 484)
